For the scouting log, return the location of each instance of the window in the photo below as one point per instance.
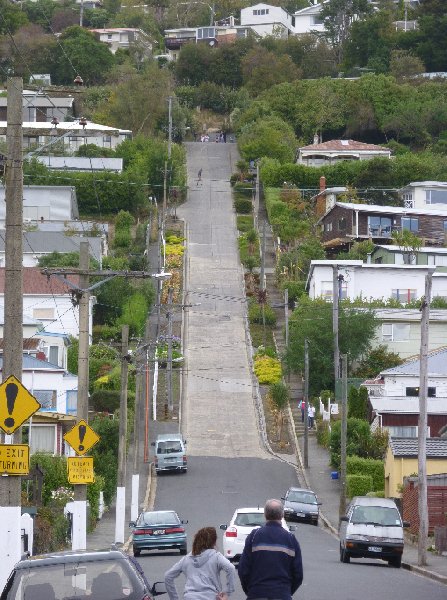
(47, 398)
(53, 355)
(379, 226)
(413, 392)
(205, 33)
(109, 36)
(107, 141)
(404, 295)
(342, 224)
(43, 313)
(435, 196)
(395, 332)
(42, 438)
(72, 402)
(408, 200)
(328, 227)
(434, 259)
(410, 223)
(326, 290)
(445, 225)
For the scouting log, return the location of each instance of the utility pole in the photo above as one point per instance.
(10, 487)
(256, 207)
(81, 14)
(165, 195)
(335, 324)
(169, 126)
(121, 480)
(170, 405)
(137, 418)
(344, 431)
(306, 404)
(79, 531)
(286, 314)
(422, 425)
(262, 273)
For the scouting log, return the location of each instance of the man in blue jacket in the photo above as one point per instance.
(270, 567)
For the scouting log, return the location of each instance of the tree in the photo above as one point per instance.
(357, 402)
(405, 64)
(79, 52)
(279, 395)
(312, 320)
(338, 15)
(358, 436)
(377, 360)
(409, 243)
(268, 137)
(193, 64)
(29, 50)
(12, 17)
(262, 69)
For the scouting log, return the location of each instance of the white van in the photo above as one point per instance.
(372, 528)
(170, 453)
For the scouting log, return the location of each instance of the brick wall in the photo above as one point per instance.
(437, 506)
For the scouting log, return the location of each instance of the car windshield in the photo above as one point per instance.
(100, 580)
(158, 518)
(250, 519)
(169, 447)
(303, 497)
(376, 515)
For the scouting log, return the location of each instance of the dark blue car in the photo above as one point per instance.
(158, 530)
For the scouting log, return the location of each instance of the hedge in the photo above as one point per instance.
(358, 485)
(255, 314)
(243, 206)
(355, 465)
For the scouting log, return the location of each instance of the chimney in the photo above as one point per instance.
(316, 139)
(322, 183)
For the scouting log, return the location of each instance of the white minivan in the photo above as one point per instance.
(372, 528)
(170, 453)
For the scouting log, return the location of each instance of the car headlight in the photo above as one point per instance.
(358, 538)
(287, 509)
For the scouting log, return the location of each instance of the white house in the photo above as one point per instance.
(38, 106)
(334, 151)
(265, 19)
(429, 195)
(122, 38)
(404, 283)
(394, 396)
(44, 203)
(49, 301)
(42, 243)
(308, 20)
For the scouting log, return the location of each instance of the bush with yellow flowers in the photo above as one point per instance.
(267, 369)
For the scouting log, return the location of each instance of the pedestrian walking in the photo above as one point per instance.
(303, 410)
(311, 415)
(202, 568)
(199, 177)
(270, 566)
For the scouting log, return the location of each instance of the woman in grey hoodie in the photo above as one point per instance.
(202, 569)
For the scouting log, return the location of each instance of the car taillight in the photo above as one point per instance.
(185, 460)
(146, 597)
(142, 531)
(231, 532)
(175, 530)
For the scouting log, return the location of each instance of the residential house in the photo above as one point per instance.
(76, 134)
(50, 301)
(40, 107)
(401, 461)
(308, 20)
(213, 35)
(122, 38)
(346, 222)
(265, 19)
(334, 151)
(428, 195)
(81, 163)
(396, 255)
(44, 203)
(394, 397)
(404, 283)
(57, 391)
(41, 243)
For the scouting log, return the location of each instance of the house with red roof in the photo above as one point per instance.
(334, 151)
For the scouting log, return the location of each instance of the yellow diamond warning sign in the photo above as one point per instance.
(81, 437)
(17, 405)
(80, 469)
(14, 459)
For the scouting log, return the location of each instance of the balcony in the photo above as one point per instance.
(177, 43)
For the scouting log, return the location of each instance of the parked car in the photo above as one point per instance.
(242, 523)
(96, 575)
(158, 530)
(372, 528)
(301, 505)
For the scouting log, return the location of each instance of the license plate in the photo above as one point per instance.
(159, 531)
(374, 549)
(298, 514)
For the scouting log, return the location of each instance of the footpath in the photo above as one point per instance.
(316, 477)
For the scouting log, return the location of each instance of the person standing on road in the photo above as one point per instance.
(199, 177)
(202, 569)
(270, 566)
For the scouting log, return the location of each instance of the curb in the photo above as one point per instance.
(425, 572)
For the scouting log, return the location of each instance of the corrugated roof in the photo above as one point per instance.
(45, 242)
(407, 405)
(28, 343)
(36, 283)
(346, 146)
(436, 447)
(81, 163)
(437, 365)
(31, 363)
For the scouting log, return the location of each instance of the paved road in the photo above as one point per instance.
(218, 417)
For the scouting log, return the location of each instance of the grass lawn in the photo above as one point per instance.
(244, 223)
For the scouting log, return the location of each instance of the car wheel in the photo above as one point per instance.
(344, 556)
(315, 523)
(395, 562)
(183, 550)
(136, 552)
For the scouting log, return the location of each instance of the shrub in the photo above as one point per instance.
(105, 400)
(267, 369)
(244, 223)
(255, 314)
(355, 465)
(105, 453)
(323, 433)
(357, 433)
(358, 485)
(244, 188)
(243, 206)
